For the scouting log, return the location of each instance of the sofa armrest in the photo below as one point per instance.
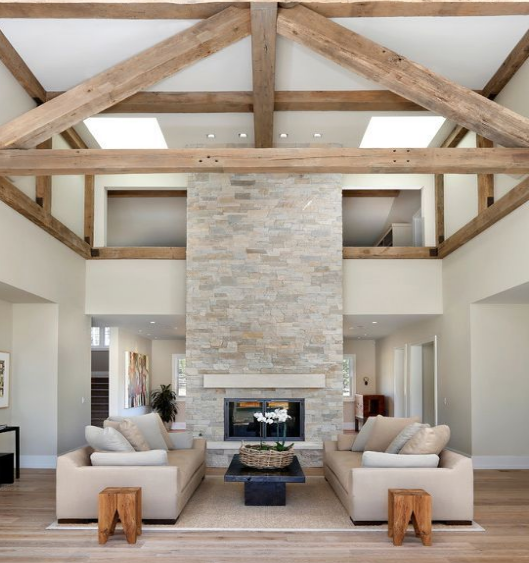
(199, 444)
(330, 446)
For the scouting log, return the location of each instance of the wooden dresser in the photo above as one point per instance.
(368, 405)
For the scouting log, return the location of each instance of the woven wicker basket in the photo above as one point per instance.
(252, 456)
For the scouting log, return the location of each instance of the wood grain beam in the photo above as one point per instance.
(139, 253)
(495, 85)
(485, 181)
(34, 162)
(20, 202)
(404, 77)
(126, 78)
(439, 207)
(497, 211)
(146, 193)
(22, 73)
(242, 102)
(199, 9)
(264, 34)
(89, 211)
(389, 252)
(43, 184)
(370, 193)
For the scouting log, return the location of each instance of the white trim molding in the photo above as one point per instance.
(38, 461)
(264, 381)
(500, 461)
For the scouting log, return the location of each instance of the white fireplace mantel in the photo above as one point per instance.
(264, 381)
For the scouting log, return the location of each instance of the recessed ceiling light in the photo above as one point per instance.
(283, 135)
(243, 135)
(401, 132)
(153, 322)
(176, 328)
(210, 135)
(126, 132)
(374, 322)
(318, 135)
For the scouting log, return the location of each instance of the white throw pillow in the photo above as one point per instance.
(152, 457)
(363, 436)
(383, 459)
(107, 440)
(404, 436)
(150, 426)
(181, 440)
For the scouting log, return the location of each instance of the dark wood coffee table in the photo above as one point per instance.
(264, 487)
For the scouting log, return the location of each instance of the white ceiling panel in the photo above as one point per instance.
(63, 53)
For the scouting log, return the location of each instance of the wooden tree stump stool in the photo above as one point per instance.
(406, 504)
(123, 503)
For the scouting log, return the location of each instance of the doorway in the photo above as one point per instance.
(422, 381)
(399, 391)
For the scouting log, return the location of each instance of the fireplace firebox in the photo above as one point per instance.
(240, 423)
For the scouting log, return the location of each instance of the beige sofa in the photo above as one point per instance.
(165, 488)
(364, 490)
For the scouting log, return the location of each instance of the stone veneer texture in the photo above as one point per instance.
(264, 292)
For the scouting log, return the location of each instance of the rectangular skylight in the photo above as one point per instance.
(401, 132)
(127, 132)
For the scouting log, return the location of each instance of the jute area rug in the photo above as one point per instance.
(218, 506)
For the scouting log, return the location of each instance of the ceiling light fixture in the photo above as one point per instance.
(210, 135)
(243, 135)
(318, 135)
(153, 322)
(283, 135)
(374, 322)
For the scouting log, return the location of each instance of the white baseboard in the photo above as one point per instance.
(500, 461)
(38, 461)
(348, 425)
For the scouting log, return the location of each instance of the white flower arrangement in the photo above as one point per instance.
(279, 416)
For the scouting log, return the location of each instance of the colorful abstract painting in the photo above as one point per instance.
(4, 380)
(136, 380)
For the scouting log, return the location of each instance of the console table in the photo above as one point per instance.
(264, 487)
(16, 430)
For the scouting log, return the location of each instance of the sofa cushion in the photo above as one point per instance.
(150, 426)
(341, 463)
(383, 459)
(403, 436)
(188, 462)
(428, 441)
(150, 457)
(363, 436)
(107, 440)
(133, 434)
(385, 430)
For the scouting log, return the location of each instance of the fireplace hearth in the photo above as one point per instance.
(240, 423)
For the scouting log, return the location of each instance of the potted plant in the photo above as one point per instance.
(263, 456)
(163, 401)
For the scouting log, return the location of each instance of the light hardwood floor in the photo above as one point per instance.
(502, 507)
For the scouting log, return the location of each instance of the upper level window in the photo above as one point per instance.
(96, 339)
(100, 337)
(348, 373)
(179, 375)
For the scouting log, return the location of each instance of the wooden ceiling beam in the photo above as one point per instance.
(389, 252)
(495, 85)
(139, 253)
(43, 184)
(273, 161)
(485, 181)
(370, 193)
(20, 70)
(404, 77)
(20, 202)
(264, 34)
(199, 9)
(126, 78)
(497, 211)
(242, 102)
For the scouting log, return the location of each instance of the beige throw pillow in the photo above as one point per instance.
(385, 430)
(404, 437)
(359, 445)
(428, 441)
(133, 435)
(107, 440)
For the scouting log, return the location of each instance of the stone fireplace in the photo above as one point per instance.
(264, 299)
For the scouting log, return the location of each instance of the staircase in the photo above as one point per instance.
(99, 400)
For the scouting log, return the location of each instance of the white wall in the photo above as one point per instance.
(162, 368)
(392, 287)
(500, 385)
(122, 341)
(424, 182)
(135, 287)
